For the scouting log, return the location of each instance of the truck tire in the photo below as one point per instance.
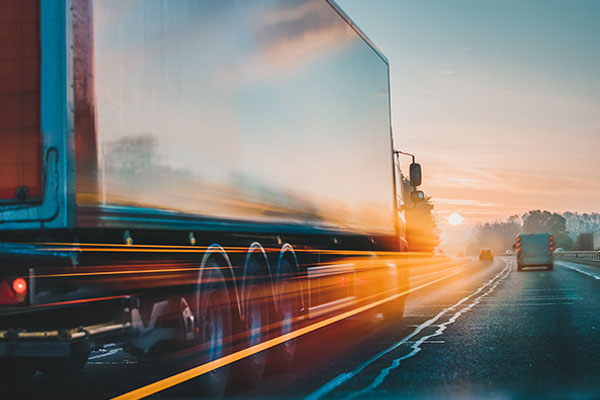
(287, 292)
(257, 299)
(214, 324)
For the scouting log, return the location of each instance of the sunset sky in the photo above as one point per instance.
(499, 100)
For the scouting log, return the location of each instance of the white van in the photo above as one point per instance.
(534, 250)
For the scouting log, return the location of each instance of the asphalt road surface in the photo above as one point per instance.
(486, 332)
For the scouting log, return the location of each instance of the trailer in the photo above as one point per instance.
(189, 178)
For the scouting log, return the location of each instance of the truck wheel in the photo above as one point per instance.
(74, 362)
(287, 292)
(214, 311)
(257, 308)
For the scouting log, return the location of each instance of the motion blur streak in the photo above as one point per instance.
(47, 246)
(215, 364)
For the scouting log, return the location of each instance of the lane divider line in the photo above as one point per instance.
(181, 377)
(344, 377)
(416, 347)
(572, 266)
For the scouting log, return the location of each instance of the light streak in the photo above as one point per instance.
(181, 377)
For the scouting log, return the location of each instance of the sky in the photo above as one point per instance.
(499, 100)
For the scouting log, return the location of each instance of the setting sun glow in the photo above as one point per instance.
(455, 219)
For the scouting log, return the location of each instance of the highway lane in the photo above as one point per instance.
(535, 334)
(488, 331)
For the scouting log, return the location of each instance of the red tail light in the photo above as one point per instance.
(13, 293)
(19, 285)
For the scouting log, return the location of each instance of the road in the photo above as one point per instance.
(486, 332)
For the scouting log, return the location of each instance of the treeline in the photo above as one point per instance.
(571, 231)
(422, 231)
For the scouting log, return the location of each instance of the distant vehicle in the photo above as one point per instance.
(509, 252)
(560, 250)
(535, 250)
(596, 240)
(486, 254)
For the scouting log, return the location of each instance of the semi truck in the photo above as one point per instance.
(187, 178)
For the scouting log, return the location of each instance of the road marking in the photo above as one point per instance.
(525, 304)
(122, 362)
(181, 377)
(109, 353)
(427, 342)
(577, 267)
(342, 378)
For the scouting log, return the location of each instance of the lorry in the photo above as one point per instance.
(535, 250)
(190, 178)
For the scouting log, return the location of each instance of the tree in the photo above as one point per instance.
(581, 223)
(585, 242)
(498, 235)
(422, 232)
(546, 222)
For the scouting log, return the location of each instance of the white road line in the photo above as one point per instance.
(125, 362)
(342, 378)
(440, 330)
(563, 303)
(578, 268)
(109, 353)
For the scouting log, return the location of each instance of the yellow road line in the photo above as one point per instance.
(181, 377)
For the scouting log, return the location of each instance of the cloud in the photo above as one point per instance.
(463, 180)
(465, 202)
(292, 35)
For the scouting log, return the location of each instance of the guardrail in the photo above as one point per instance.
(580, 255)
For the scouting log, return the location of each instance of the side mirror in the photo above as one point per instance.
(417, 196)
(415, 175)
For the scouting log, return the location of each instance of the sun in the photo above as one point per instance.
(455, 219)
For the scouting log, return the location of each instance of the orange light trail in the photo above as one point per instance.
(181, 377)
(102, 247)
